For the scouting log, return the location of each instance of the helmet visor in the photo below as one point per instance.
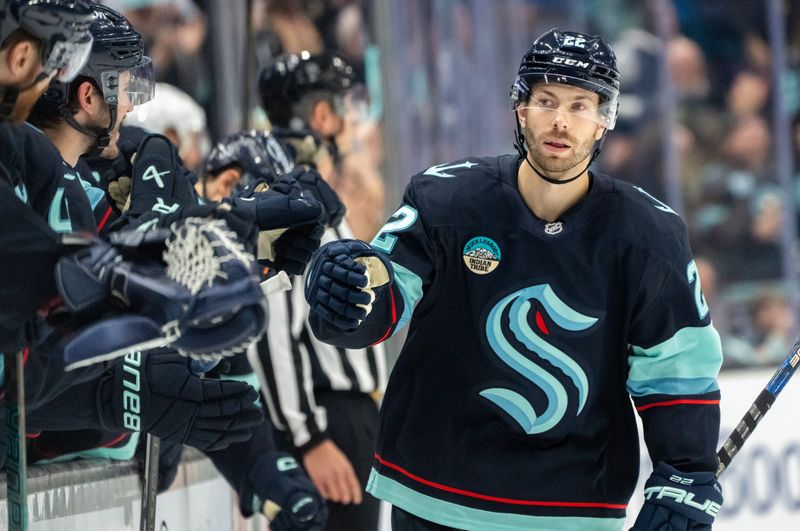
(133, 86)
(595, 102)
(67, 58)
(141, 85)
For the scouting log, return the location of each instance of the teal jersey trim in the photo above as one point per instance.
(687, 363)
(95, 195)
(673, 386)
(469, 519)
(410, 286)
(122, 453)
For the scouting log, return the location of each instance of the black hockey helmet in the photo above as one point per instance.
(118, 48)
(62, 27)
(571, 58)
(290, 77)
(257, 153)
(117, 66)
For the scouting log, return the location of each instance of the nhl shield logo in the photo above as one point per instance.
(482, 255)
(553, 228)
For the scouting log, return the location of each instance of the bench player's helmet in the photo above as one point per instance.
(117, 66)
(62, 28)
(291, 77)
(258, 154)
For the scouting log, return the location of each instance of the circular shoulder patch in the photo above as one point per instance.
(482, 255)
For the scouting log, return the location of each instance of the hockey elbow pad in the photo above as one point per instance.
(679, 501)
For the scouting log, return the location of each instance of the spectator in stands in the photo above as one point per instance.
(769, 336)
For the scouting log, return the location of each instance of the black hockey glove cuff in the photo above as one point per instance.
(679, 501)
(278, 488)
(155, 392)
(160, 182)
(343, 280)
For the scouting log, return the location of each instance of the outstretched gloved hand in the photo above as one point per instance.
(156, 392)
(342, 281)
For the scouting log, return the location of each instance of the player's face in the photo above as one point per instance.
(123, 108)
(560, 126)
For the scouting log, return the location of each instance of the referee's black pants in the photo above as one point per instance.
(352, 426)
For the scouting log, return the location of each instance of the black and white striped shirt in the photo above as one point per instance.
(294, 365)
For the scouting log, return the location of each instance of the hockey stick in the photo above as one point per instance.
(147, 521)
(16, 455)
(759, 408)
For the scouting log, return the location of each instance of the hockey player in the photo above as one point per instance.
(319, 396)
(306, 97)
(540, 297)
(58, 195)
(37, 42)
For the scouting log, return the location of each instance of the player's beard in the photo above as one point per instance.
(551, 163)
(26, 99)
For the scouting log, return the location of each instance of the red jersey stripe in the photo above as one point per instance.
(497, 498)
(677, 403)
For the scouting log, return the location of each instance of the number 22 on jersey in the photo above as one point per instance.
(401, 220)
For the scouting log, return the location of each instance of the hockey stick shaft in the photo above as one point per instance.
(758, 409)
(147, 522)
(16, 454)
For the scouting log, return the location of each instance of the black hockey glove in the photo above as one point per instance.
(342, 281)
(679, 501)
(155, 392)
(279, 489)
(278, 206)
(290, 226)
(315, 187)
(160, 182)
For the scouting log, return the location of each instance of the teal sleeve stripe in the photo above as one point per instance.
(122, 453)
(410, 286)
(469, 519)
(692, 353)
(673, 386)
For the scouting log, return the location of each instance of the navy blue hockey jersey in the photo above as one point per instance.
(510, 404)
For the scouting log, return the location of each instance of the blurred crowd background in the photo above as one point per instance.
(709, 114)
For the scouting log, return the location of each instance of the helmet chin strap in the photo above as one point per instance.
(519, 143)
(100, 136)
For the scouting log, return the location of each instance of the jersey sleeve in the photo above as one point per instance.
(674, 358)
(405, 239)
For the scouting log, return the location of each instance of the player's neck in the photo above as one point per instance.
(69, 142)
(546, 200)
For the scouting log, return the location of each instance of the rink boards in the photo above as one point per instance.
(761, 488)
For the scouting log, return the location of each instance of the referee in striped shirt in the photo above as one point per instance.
(322, 401)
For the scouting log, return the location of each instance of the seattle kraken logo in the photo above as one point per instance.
(517, 406)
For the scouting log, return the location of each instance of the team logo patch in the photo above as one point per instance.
(482, 255)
